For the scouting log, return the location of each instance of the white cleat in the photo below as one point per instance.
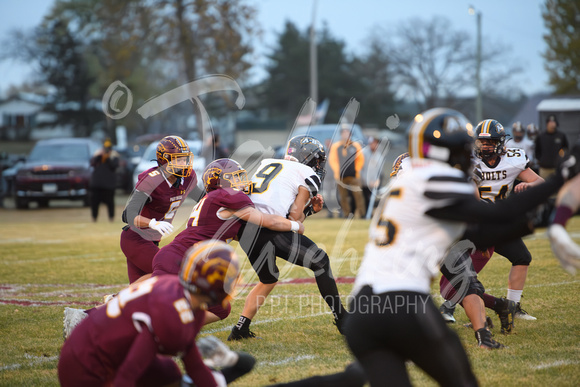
(522, 314)
(72, 318)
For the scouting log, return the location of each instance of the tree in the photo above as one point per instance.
(287, 85)
(433, 65)
(561, 18)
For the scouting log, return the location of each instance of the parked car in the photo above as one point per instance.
(149, 160)
(55, 169)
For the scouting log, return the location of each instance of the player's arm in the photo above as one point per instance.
(271, 221)
(529, 179)
(140, 355)
(469, 209)
(297, 209)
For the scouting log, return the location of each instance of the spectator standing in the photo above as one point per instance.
(103, 180)
(371, 172)
(550, 146)
(346, 160)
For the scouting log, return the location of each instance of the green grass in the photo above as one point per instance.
(56, 257)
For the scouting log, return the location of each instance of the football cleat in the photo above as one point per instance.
(447, 313)
(506, 316)
(522, 314)
(72, 318)
(484, 339)
(238, 334)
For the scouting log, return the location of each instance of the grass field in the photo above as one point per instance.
(55, 257)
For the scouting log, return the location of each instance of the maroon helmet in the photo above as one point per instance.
(174, 152)
(224, 173)
(210, 268)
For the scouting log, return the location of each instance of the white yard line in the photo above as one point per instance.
(291, 359)
(557, 363)
(34, 360)
(267, 321)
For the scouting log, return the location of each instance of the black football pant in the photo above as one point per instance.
(385, 330)
(263, 246)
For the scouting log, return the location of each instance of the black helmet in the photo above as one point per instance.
(490, 139)
(309, 151)
(442, 134)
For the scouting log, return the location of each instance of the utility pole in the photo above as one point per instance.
(313, 58)
(478, 99)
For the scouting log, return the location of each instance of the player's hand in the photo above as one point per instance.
(165, 228)
(301, 229)
(521, 187)
(564, 248)
(317, 203)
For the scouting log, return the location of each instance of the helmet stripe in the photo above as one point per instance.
(189, 264)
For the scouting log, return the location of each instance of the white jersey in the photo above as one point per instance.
(498, 182)
(526, 144)
(276, 182)
(406, 246)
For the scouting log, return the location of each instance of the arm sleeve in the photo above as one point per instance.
(471, 210)
(134, 206)
(140, 356)
(485, 235)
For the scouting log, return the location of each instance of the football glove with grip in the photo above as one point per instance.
(564, 248)
(165, 228)
(215, 353)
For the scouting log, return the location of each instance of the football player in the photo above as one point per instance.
(501, 167)
(130, 340)
(150, 210)
(149, 213)
(392, 318)
(289, 188)
(217, 216)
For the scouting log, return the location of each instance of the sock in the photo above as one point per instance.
(489, 301)
(243, 323)
(514, 295)
(563, 213)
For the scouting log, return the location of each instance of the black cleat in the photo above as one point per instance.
(484, 339)
(506, 316)
(447, 313)
(237, 334)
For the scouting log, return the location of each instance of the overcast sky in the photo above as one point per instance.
(515, 23)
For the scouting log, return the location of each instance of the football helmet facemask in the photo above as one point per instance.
(489, 139)
(226, 173)
(308, 151)
(442, 134)
(211, 268)
(532, 131)
(174, 153)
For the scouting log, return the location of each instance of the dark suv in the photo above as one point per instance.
(55, 169)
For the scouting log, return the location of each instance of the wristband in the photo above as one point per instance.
(295, 226)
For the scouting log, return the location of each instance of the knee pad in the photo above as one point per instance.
(476, 287)
(318, 262)
(523, 258)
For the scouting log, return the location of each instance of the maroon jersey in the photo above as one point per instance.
(120, 340)
(204, 223)
(162, 200)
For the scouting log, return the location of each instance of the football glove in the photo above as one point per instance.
(564, 248)
(215, 353)
(164, 228)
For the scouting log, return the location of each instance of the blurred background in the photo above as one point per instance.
(512, 61)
